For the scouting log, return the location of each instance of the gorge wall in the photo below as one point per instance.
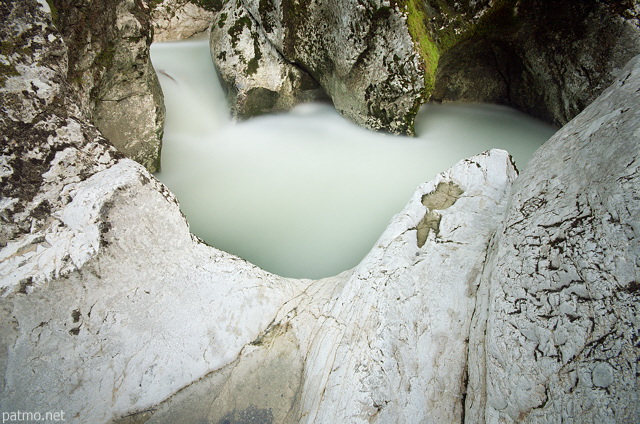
(489, 298)
(111, 73)
(181, 19)
(273, 55)
(550, 62)
(378, 61)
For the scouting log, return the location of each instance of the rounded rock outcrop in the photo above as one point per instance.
(360, 55)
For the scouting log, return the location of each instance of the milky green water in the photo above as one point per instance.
(306, 194)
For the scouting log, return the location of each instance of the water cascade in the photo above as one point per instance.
(306, 194)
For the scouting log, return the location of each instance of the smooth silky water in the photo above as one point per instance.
(306, 194)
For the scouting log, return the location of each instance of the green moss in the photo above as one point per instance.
(499, 20)
(295, 14)
(427, 48)
(222, 20)
(236, 29)
(267, 11)
(105, 57)
(7, 71)
(211, 5)
(54, 12)
(252, 65)
(6, 48)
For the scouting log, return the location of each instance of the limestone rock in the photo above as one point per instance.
(257, 77)
(110, 69)
(179, 19)
(100, 276)
(361, 54)
(111, 306)
(386, 341)
(559, 338)
(550, 62)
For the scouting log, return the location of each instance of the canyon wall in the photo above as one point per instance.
(489, 298)
(550, 62)
(378, 61)
(174, 20)
(555, 337)
(111, 73)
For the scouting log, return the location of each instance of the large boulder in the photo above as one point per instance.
(555, 338)
(257, 77)
(361, 55)
(111, 72)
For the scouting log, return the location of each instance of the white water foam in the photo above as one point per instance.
(306, 194)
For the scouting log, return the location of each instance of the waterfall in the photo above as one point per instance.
(307, 193)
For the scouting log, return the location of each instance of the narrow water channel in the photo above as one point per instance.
(306, 194)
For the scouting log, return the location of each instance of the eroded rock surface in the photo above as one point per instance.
(110, 306)
(550, 62)
(180, 19)
(110, 69)
(557, 337)
(386, 341)
(361, 55)
(100, 276)
(257, 77)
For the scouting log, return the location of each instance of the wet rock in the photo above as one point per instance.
(385, 341)
(548, 62)
(361, 55)
(480, 301)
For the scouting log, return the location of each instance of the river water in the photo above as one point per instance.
(306, 194)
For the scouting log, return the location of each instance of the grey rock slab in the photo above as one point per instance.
(559, 339)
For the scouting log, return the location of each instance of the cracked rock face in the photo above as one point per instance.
(273, 54)
(559, 338)
(110, 69)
